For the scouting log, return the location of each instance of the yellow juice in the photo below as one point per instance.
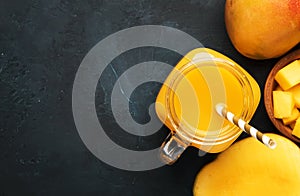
(194, 103)
(186, 102)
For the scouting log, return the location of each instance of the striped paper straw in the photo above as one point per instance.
(222, 111)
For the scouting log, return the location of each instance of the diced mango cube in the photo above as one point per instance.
(283, 104)
(289, 75)
(296, 94)
(278, 88)
(292, 118)
(296, 130)
(292, 125)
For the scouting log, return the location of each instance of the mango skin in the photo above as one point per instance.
(250, 168)
(263, 29)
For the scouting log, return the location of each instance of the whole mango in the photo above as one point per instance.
(263, 29)
(250, 168)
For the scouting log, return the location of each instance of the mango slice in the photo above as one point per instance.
(289, 76)
(283, 103)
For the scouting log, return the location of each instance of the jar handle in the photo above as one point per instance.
(172, 148)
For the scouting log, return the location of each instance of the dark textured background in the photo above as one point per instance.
(42, 43)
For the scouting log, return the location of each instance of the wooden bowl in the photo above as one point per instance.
(268, 99)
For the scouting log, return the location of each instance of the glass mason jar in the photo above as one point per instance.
(186, 102)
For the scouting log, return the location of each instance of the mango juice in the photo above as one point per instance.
(193, 97)
(201, 80)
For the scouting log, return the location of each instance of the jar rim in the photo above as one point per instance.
(225, 133)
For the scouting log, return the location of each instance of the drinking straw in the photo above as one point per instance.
(222, 111)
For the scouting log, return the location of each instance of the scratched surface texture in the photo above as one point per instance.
(42, 44)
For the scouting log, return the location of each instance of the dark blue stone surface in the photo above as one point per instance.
(42, 44)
